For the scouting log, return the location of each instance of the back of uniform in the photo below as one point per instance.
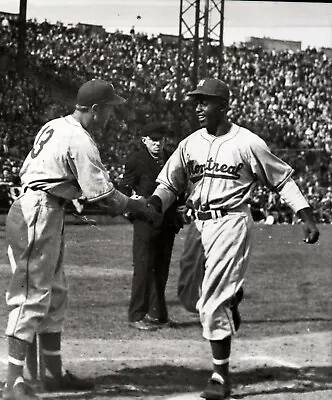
(63, 164)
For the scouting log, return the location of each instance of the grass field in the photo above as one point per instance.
(287, 294)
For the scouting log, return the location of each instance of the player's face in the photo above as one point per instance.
(208, 110)
(153, 145)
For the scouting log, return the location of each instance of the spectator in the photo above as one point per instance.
(276, 104)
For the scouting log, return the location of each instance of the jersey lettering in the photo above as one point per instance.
(211, 169)
(40, 142)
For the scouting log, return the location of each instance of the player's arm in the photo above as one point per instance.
(292, 195)
(117, 203)
(93, 179)
(172, 182)
(276, 175)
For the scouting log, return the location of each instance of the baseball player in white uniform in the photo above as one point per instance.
(219, 166)
(63, 164)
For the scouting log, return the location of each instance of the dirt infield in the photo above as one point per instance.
(288, 367)
(283, 350)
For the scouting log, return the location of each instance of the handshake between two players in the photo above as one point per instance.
(141, 208)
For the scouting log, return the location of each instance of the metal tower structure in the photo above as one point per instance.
(201, 27)
(201, 22)
(21, 37)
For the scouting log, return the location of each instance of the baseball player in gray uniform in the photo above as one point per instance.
(63, 164)
(219, 166)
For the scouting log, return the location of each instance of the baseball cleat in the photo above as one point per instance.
(21, 391)
(68, 382)
(216, 390)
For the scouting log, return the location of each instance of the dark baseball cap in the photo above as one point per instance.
(98, 91)
(155, 130)
(211, 87)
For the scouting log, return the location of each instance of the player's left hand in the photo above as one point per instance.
(311, 232)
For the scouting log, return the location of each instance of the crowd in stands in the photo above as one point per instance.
(284, 96)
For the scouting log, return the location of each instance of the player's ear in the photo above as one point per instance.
(144, 139)
(95, 108)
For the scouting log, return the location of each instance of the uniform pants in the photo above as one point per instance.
(192, 268)
(227, 245)
(37, 293)
(152, 252)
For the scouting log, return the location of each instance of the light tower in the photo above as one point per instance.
(21, 36)
(201, 22)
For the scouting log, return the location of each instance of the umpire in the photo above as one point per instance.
(152, 247)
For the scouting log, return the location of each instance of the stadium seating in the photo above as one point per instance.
(282, 96)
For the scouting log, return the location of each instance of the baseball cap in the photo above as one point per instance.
(98, 91)
(155, 130)
(211, 87)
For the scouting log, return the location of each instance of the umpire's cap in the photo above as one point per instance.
(211, 87)
(98, 91)
(154, 130)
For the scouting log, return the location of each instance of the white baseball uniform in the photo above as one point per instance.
(220, 173)
(63, 164)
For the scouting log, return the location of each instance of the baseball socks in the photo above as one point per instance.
(56, 379)
(221, 350)
(51, 350)
(219, 384)
(15, 387)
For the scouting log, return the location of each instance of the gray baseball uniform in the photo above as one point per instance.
(63, 163)
(220, 173)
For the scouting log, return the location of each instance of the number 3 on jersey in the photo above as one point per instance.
(44, 136)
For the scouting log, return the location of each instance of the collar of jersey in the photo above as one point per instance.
(229, 135)
(73, 121)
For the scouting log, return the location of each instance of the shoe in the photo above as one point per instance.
(169, 322)
(21, 391)
(216, 390)
(143, 325)
(67, 383)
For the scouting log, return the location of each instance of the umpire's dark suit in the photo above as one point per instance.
(152, 247)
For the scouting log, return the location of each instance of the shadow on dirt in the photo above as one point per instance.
(166, 380)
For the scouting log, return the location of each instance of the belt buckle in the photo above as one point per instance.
(211, 214)
(204, 215)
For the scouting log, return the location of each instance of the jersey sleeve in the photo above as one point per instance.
(269, 169)
(174, 173)
(85, 163)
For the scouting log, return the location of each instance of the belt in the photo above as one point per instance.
(211, 214)
(60, 200)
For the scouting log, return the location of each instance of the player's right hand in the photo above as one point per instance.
(140, 209)
(185, 214)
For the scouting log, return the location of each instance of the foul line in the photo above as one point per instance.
(278, 361)
(273, 360)
(4, 360)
